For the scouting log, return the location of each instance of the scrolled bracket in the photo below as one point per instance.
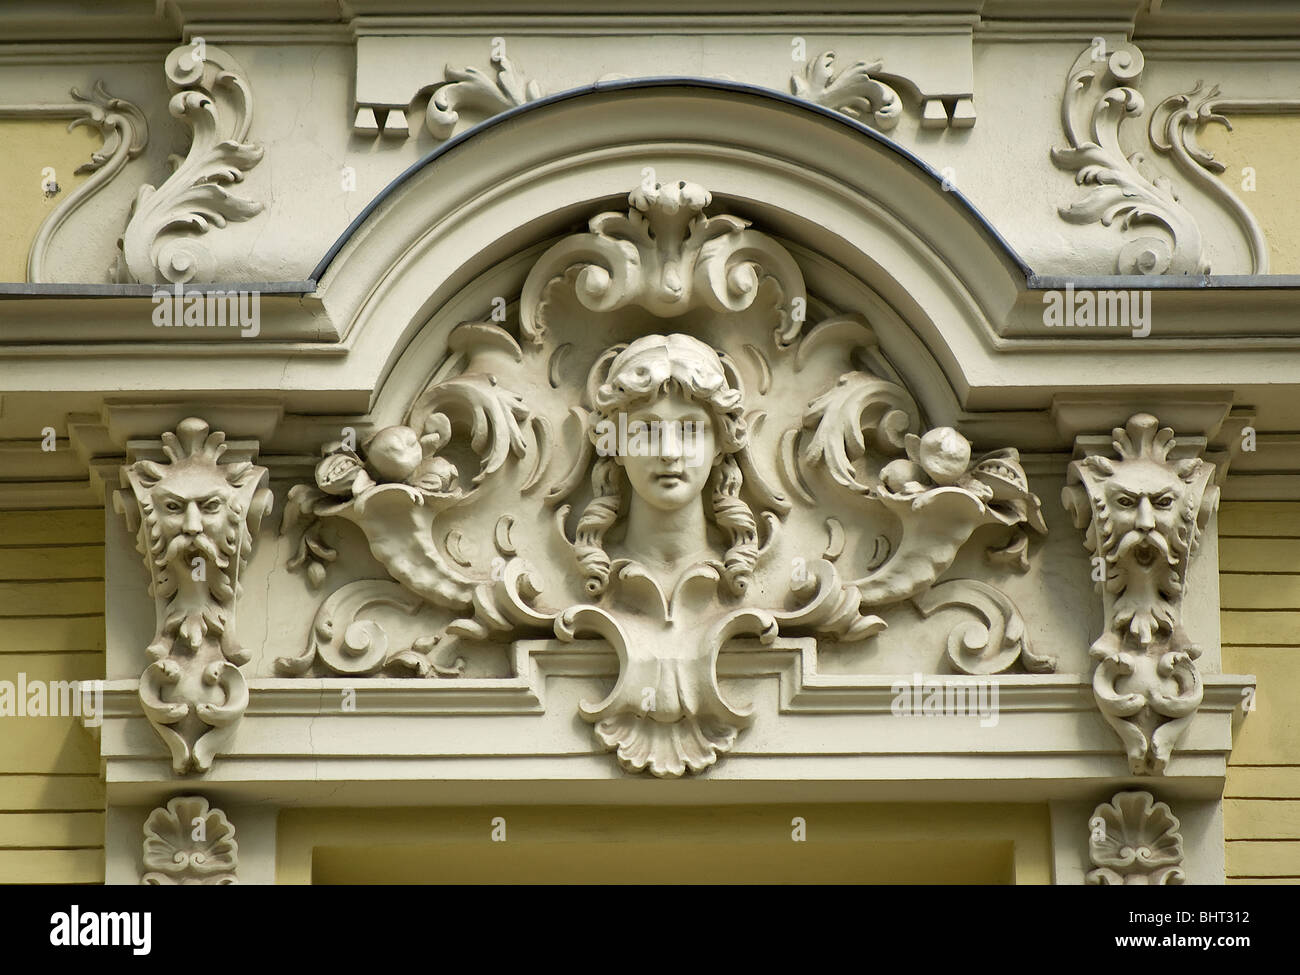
(1141, 514)
(195, 520)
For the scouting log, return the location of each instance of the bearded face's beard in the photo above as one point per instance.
(180, 547)
(1146, 586)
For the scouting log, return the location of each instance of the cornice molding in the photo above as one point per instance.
(1174, 19)
(296, 742)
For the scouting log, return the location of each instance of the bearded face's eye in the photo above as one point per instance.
(1124, 501)
(212, 505)
(1165, 503)
(174, 507)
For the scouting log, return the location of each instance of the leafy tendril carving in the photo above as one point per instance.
(163, 238)
(1099, 96)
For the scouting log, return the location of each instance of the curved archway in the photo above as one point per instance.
(854, 206)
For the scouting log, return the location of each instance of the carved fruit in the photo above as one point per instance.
(897, 475)
(435, 475)
(437, 431)
(943, 452)
(337, 474)
(394, 453)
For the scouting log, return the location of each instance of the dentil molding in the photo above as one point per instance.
(466, 95)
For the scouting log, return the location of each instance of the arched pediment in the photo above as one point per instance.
(864, 218)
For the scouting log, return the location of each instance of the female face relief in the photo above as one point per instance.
(670, 450)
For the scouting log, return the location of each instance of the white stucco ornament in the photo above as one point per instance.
(195, 519)
(1122, 187)
(189, 843)
(1142, 515)
(653, 458)
(164, 236)
(1134, 841)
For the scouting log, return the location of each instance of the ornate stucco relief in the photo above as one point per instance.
(125, 132)
(673, 447)
(1099, 96)
(1134, 840)
(855, 90)
(162, 241)
(188, 842)
(195, 520)
(470, 88)
(1142, 514)
(852, 90)
(1173, 129)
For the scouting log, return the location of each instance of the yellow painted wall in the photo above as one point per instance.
(861, 843)
(1259, 581)
(51, 628)
(29, 146)
(1267, 144)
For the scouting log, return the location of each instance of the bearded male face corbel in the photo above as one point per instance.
(1142, 515)
(195, 520)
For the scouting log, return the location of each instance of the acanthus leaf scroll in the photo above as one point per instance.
(611, 467)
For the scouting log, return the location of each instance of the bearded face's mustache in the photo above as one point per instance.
(183, 544)
(1145, 548)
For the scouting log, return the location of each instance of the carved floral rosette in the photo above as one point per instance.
(195, 519)
(500, 510)
(1141, 515)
